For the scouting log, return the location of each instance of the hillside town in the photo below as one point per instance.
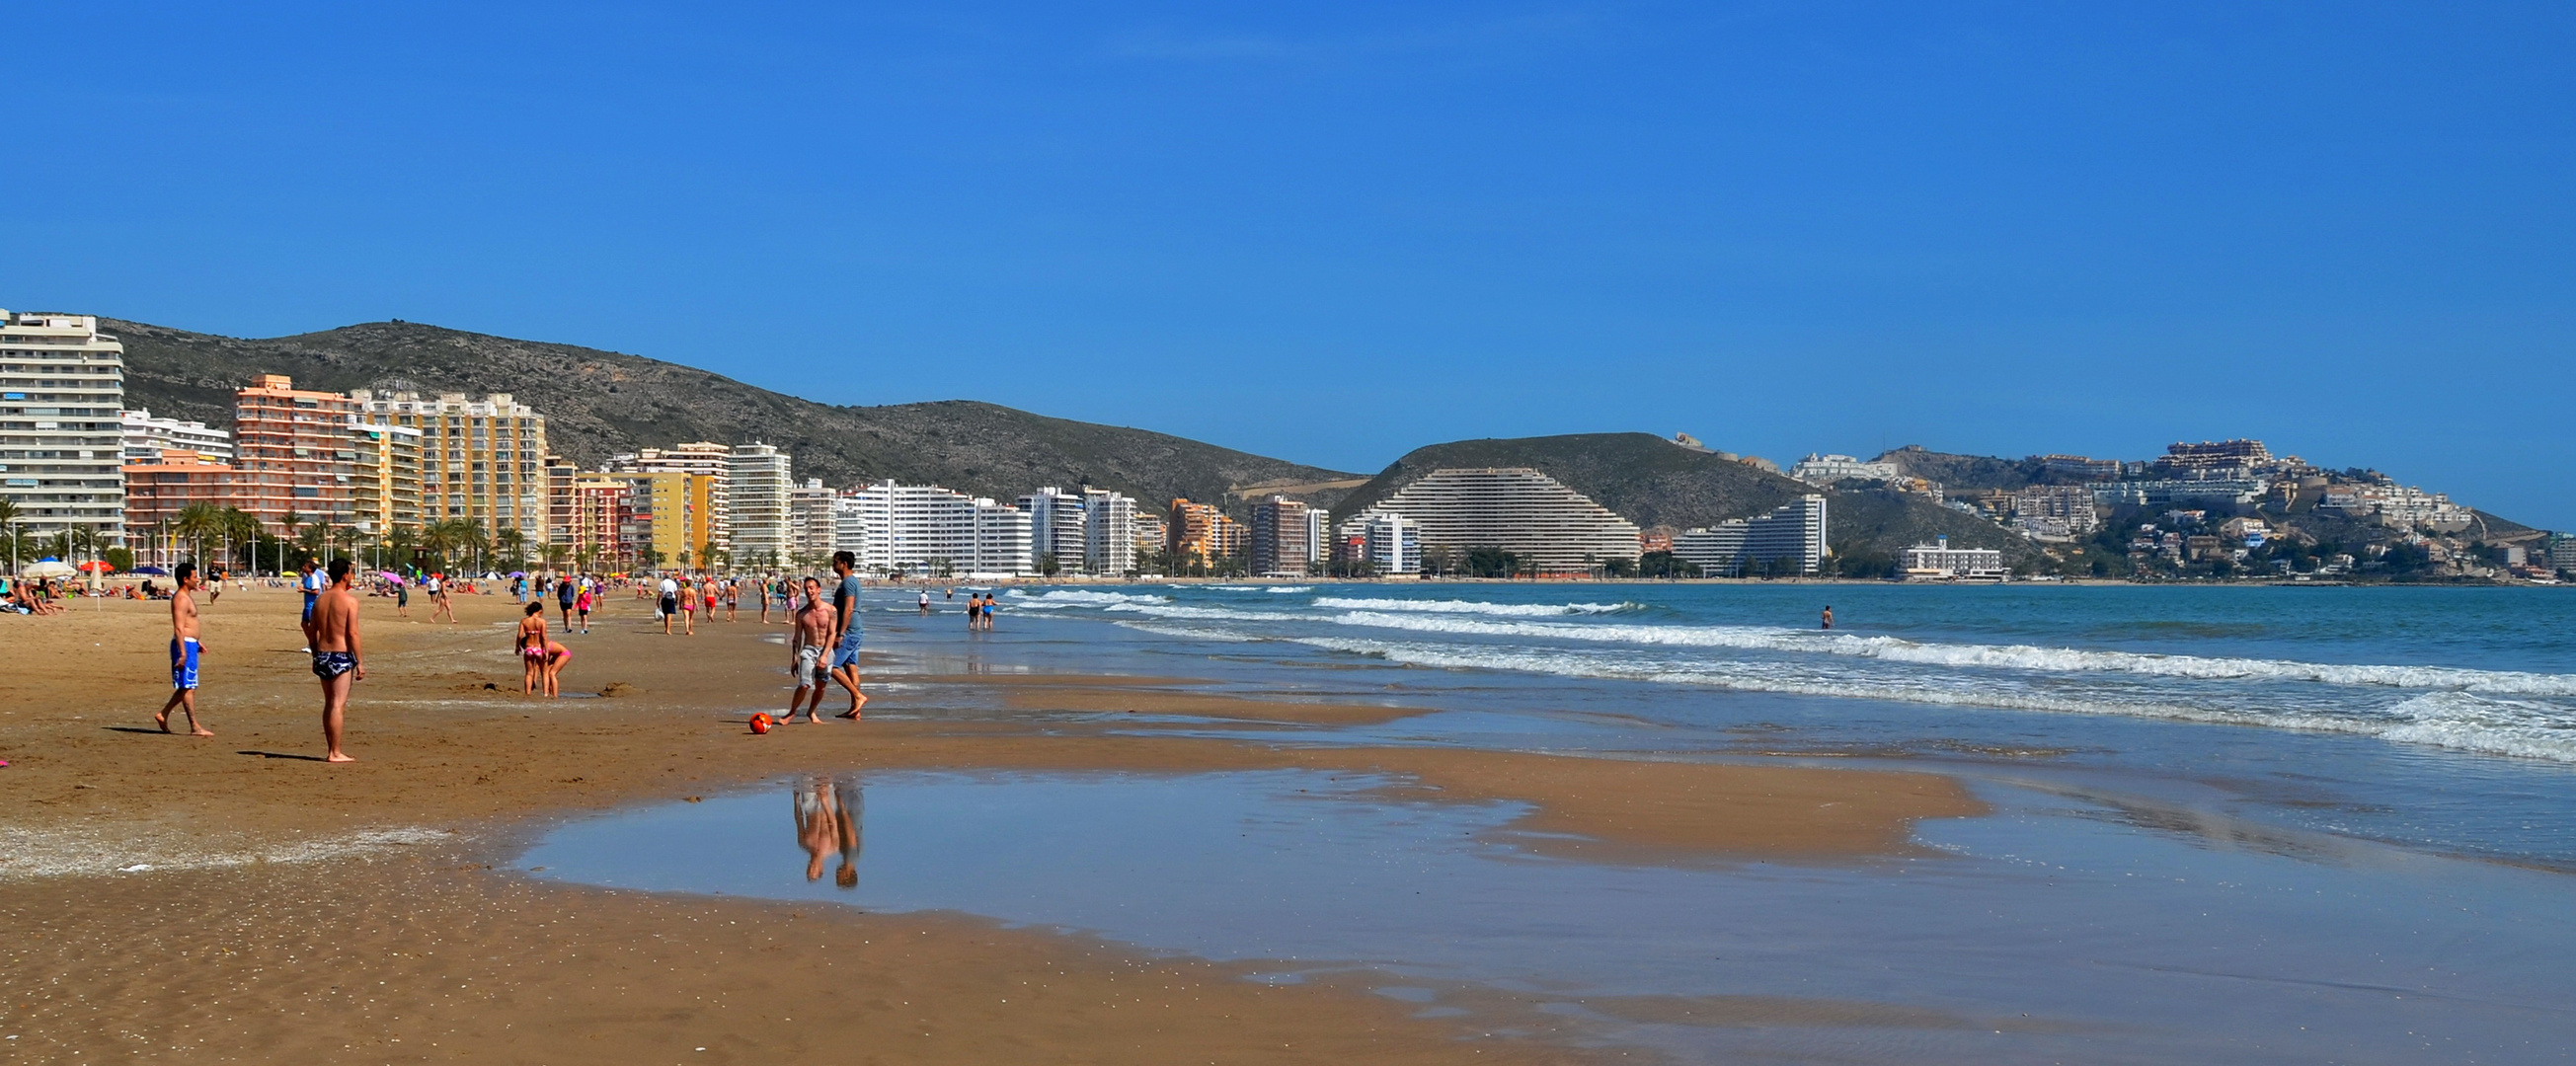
(396, 475)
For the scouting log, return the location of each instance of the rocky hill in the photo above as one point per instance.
(1652, 481)
(598, 403)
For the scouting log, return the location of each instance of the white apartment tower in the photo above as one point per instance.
(1057, 528)
(1391, 543)
(147, 437)
(1517, 509)
(812, 512)
(756, 491)
(62, 448)
(1108, 533)
(1791, 537)
(926, 529)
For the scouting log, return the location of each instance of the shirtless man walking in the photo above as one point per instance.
(845, 630)
(807, 646)
(335, 654)
(183, 653)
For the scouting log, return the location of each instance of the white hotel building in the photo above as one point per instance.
(147, 437)
(1524, 512)
(759, 522)
(926, 529)
(1791, 536)
(62, 447)
(1108, 533)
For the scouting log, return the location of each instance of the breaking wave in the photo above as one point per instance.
(2457, 720)
(1079, 598)
(2015, 656)
(1507, 610)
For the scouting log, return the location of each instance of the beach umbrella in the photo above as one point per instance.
(48, 569)
(97, 566)
(153, 570)
(389, 575)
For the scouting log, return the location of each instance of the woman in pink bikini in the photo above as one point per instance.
(532, 645)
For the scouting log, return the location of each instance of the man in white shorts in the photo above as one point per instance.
(807, 649)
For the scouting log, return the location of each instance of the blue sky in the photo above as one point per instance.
(1334, 232)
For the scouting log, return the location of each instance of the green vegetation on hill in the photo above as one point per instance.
(598, 403)
(1654, 482)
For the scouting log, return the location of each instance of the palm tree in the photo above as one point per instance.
(514, 548)
(316, 540)
(241, 527)
(404, 543)
(9, 521)
(470, 535)
(195, 523)
(436, 540)
(553, 555)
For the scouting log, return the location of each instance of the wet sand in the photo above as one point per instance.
(280, 889)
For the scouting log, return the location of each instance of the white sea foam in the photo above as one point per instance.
(1285, 589)
(2456, 720)
(1236, 588)
(1506, 610)
(2015, 656)
(1158, 609)
(32, 853)
(1079, 598)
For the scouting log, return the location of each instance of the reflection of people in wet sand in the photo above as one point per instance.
(828, 814)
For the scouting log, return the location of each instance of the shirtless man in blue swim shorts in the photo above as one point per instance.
(335, 654)
(183, 652)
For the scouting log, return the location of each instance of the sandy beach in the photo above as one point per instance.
(235, 899)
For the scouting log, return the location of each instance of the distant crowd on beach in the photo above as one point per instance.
(823, 645)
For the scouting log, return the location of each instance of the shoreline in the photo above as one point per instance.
(457, 771)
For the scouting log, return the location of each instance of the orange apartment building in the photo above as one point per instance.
(292, 452)
(1200, 529)
(155, 493)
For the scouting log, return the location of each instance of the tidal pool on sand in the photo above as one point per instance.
(2047, 931)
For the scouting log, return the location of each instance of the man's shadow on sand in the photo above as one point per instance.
(281, 755)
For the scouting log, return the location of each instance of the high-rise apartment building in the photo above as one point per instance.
(481, 460)
(62, 384)
(157, 490)
(147, 437)
(601, 531)
(813, 523)
(1282, 542)
(1108, 533)
(1200, 531)
(862, 525)
(1790, 538)
(926, 529)
(757, 484)
(660, 515)
(384, 478)
(1319, 538)
(707, 460)
(293, 449)
(1058, 531)
(559, 475)
(1387, 543)
(1519, 510)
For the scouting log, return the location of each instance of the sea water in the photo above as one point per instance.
(2435, 717)
(2230, 824)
